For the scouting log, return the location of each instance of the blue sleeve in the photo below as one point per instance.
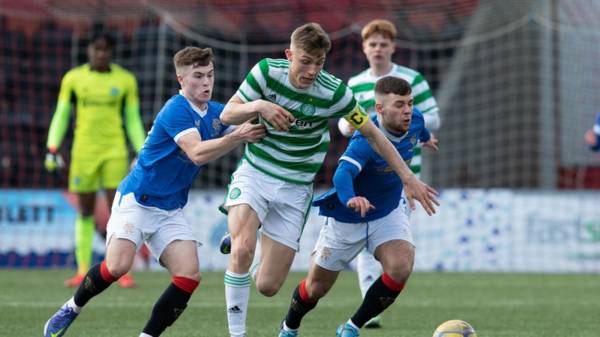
(343, 181)
(216, 109)
(425, 135)
(596, 130)
(352, 161)
(175, 119)
(597, 147)
(418, 118)
(358, 152)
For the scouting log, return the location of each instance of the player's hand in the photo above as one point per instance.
(278, 117)
(432, 143)
(590, 138)
(53, 162)
(250, 133)
(416, 189)
(361, 205)
(346, 129)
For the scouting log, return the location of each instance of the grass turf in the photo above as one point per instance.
(497, 305)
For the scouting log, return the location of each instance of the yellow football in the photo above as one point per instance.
(454, 328)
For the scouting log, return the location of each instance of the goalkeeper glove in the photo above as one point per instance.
(53, 161)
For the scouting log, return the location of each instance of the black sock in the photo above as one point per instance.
(377, 299)
(298, 308)
(166, 310)
(93, 284)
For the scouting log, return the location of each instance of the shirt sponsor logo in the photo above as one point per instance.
(300, 124)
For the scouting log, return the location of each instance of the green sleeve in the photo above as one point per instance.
(133, 121)
(60, 120)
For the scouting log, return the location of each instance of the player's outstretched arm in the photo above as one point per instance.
(342, 180)
(237, 112)
(58, 127)
(413, 187)
(430, 140)
(202, 152)
(133, 119)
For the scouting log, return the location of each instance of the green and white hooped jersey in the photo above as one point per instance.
(363, 86)
(296, 155)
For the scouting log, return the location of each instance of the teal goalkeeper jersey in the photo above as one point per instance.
(100, 98)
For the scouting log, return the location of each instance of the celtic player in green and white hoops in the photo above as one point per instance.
(378, 45)
(272, 186)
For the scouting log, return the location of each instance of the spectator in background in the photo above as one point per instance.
(378, 46)
(592, 136)
(102, 93)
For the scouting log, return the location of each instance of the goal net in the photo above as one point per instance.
(516, 81)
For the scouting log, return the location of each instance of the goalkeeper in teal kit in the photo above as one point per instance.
(365, 209)
(103, 93)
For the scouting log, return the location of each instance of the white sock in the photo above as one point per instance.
(71, 304)
(237, 293)
(368, 270)
(144, 335)
(352, 324)
(286, 328)
(254, 270)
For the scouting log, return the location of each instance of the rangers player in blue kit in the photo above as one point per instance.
(148, 206)
(365, 209)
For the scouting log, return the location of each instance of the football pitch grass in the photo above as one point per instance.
(496, 304)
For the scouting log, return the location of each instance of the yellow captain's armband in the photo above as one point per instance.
(357, 117)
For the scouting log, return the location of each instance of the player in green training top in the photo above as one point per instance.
(102, 92)
(272, 186)
(378, 38)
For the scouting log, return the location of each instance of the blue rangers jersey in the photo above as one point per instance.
(163, 174)
(373, 179)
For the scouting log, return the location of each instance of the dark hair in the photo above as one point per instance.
(193, 56)
(311, 38)
(392, 85)
(102, 35)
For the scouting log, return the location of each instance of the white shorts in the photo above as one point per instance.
(282, 207)
(339, 242)
(137, 223)
(405, 206)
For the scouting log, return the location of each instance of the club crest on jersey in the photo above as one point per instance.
(197, 123)
(235, 193)
(114, 91)
(413, 140)
(307, 109)
(216, 125)
(272, 97)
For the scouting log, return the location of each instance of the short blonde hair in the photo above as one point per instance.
(311, 38)
(192, 56)
(379, 26)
